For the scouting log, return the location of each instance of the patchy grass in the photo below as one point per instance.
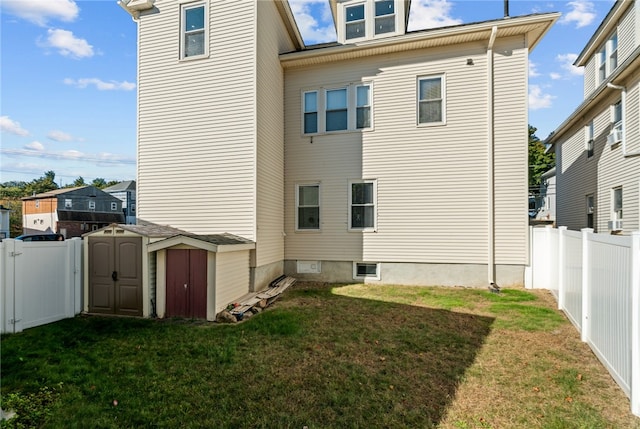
(323, 356)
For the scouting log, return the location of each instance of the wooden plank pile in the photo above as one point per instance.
(254, 303)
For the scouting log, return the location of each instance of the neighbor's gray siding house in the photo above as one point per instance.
(598, 146)
(125, 192)
(388, 156)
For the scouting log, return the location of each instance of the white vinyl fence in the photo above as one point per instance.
(596, 280)
(40, 282)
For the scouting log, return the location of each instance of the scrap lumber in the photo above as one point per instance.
(263, 298)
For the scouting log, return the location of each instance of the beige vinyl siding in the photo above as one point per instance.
(590, 77)
(431, 180)
(627, 40)
(272, 39)
(214, 136)
(511, 151)
(231, 277)
(615, 170)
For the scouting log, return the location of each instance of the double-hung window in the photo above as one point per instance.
(92, 205)
(591, 206)
(355, 21)
(346, 108)
(114, 206)
(336, 110)
(362, 205)
(589, 144)
(431, 101)
(68, 203)
(617, 203)
(308, 207)
(385, 19)
(607, 57)
(193, 30)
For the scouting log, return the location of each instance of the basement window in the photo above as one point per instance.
(366, 270)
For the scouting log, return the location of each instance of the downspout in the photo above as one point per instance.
(491, 251)
(623, 98)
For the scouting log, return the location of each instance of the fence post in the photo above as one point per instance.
(585, 323)
(77, 275)
(635, 323)
(528, 270)
(561, 253)
(547, 263)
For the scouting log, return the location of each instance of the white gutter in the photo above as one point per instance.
(623, 98)
(491, 251)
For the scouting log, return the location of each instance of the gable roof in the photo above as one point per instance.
(53, 193)
(127, 185)
(534, 26)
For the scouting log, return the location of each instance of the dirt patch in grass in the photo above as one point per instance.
(326, 356)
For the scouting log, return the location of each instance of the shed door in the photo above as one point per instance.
(187, 283)
(115, 275)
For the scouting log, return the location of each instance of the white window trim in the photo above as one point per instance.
(68, 203)
(366, 277)
(114, 206)
(352, 108)
(298, 185)
(369, 20)
(375, 206)
(92, 205)
(184, 5)
(443, 96)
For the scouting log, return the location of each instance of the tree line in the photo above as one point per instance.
(12, 192)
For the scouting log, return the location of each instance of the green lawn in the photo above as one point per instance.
(323, 356)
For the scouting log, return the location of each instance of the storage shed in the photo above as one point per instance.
(158, 271)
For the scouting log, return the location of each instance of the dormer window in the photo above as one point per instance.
(385, 21)
(355, 22)
(369, 19)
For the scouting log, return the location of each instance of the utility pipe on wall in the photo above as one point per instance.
(491, 251)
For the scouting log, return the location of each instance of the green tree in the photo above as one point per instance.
(45, 183)
(99, 183)
(540, 161)
(79, 182)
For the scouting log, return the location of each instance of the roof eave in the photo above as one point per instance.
(290, 23)
(425, 38)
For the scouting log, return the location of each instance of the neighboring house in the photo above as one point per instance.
(125, 192)
(598, 146)
(389, 156)
(70, 211)
(547, 197)
(5, 225)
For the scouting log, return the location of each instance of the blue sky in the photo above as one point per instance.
(68, 76)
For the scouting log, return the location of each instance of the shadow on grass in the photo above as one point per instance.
(315, 359)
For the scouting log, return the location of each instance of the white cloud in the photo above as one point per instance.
(10, 126)
(40, 12)
(100, 84)
(35, 145)
(431, 14)
(60, 136)
(581, 12)
(533, 69)
(104, 158)
(566, 63)
(555, 76)
(67, 44)
(539, 100)
(306, 13)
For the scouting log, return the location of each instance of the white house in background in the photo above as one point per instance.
(547, 197)
(598, 146)
(125, 192)
(390, 156)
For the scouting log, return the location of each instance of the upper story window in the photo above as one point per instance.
(193, 30)
(92, 205)
(346, 108)
(369, 19)
(37, 204)
(362, 205)
(607, 58)
(385, 19)
(431, 100)
(589, 139)
(591, 208)
(114, 206)
(68, 203)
